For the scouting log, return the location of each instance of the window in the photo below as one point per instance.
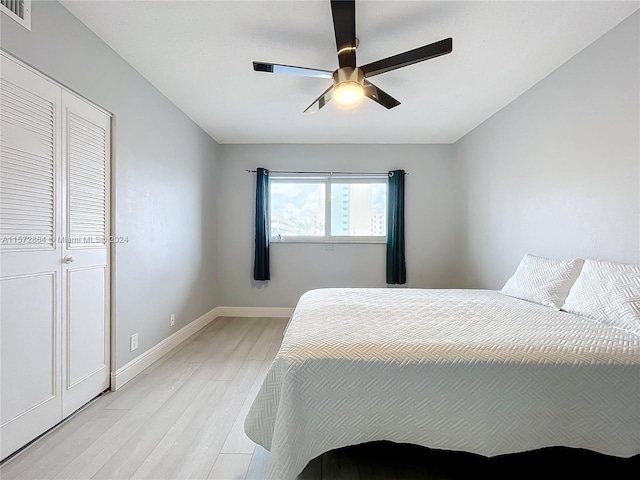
(347, 208)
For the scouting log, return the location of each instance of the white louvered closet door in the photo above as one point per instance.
(54, 293)
(30, 257)
(85, 283)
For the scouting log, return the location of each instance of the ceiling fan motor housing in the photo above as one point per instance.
(348, 75)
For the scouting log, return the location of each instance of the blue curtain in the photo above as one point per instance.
(261, 257)
(396, 265)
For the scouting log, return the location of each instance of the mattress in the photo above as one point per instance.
(465, 370)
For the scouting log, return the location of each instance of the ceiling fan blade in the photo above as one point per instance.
(379, 96)
(408, 58)
(344, 26)
(321, 101)
(291, 70)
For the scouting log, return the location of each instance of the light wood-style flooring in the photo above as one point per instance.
(182, 418)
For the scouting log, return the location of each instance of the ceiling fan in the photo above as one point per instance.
(350, 83)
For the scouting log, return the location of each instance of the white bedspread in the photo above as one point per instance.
(469, 370)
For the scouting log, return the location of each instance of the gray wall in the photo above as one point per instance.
(556, 172)
(296, 268)
(165, 174)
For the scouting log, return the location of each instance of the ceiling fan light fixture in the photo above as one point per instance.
(348, 93)
(348, 85)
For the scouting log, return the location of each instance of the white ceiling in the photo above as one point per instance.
(199, 54)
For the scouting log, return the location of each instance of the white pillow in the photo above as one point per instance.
(543, 280)
(609, 292)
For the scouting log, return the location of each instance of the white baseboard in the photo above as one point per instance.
(254, 311)
(138, 364)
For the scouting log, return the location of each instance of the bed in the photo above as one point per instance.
(465, 370)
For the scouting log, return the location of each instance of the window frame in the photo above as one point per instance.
(328, 180)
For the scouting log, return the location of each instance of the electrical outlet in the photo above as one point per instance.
(172, 320)
(134, 341)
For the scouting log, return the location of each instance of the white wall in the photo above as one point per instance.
(557, 172)
(165, 174)
(296, 268)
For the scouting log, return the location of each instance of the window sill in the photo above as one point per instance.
(330, 242)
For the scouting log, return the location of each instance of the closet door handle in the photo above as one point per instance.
(68, 259)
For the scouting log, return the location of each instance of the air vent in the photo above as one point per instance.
(18, 10)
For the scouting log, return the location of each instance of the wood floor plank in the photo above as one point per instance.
(132, 455)
(184, 351)
(187, 352)
(236, 358)
(201, 342)
(91, 460)
(136, 390)
(261, 348)
(131, 394)
(237, 441)
(51, 453)
(203, 451)
(225, 338)
(136, 449)
(109, 397)
(160, 463)
(175, 354)
(257, 469)
(230, 466)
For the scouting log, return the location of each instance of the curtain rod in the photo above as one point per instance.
(327, 173)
